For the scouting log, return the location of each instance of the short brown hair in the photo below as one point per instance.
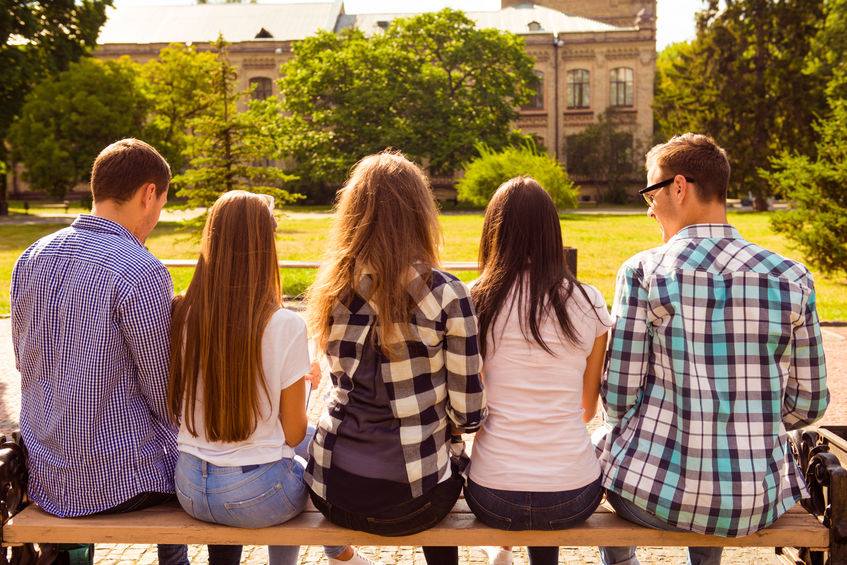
(696, 156)
(126, 165)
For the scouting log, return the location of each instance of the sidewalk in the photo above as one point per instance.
(835, 344)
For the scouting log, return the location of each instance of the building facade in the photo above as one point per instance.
(591, 56)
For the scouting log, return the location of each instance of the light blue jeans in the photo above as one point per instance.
(626, 555)
(249, 496)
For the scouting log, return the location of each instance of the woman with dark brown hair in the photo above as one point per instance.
(543, 339)
(236, 384)
(400, 336)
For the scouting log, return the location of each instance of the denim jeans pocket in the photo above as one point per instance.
(185, 501)
(267, 509)
(419, 520)
(485, 514)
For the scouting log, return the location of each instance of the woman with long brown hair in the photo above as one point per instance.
(543, 339)
(236, 385)
(400, 337)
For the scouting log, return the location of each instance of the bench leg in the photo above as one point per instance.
(826, 480)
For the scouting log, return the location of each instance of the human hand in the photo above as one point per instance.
(314, 375)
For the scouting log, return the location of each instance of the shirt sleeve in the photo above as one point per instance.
(145, 322)
(602, 320)
(466, 399)
(295, 362)
(806, 393)
(629, 347)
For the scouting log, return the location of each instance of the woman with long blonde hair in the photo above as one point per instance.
(400, 337)
(236, 385)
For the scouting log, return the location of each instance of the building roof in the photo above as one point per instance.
(516, 19)
(202, 23)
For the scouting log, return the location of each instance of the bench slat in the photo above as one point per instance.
(169, 524)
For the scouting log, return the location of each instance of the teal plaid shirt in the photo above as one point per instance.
(716, 352)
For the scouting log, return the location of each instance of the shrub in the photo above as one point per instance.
(492, 168)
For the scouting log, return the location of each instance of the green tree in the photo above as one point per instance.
(604, 154)
(432, 85)
(743, 81)
(492, 168)
(179, 82)
(39, 39)
(817, 188)
(228, 149)
(67, 120)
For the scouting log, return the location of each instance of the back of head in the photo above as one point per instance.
(218, 324)
(696, 156)
(521, 248)
(125, 166)
(386, 220)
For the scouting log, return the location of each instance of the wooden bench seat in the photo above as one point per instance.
(169, 524)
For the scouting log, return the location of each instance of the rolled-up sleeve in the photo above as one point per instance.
(463, 362)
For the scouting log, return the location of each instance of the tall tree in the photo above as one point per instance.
(179, 83)
(67, 120)
(743, 80)
(432, 85)
(817, 186)
(40, 38)
(228, 149)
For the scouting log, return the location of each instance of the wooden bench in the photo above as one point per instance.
(817, 531)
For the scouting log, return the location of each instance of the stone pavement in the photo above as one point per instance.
(835, 343)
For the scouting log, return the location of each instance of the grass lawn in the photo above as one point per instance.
(603, 241)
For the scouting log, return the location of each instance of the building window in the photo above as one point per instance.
(621, 87)
(579, 89)
(534, 26)
(262, 88)
(537, 101)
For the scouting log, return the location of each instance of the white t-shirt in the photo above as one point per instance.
(285, 358)
(533, 438)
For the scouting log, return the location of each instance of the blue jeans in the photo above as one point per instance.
(523, 510)
(632, 513)
(249, 496)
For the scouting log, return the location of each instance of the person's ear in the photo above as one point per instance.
(149, 195)
(681, 188)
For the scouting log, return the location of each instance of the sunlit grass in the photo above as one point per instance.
(603, 243)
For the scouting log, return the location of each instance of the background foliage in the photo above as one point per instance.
(492, 168)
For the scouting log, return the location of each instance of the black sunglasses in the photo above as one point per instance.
(661, 184)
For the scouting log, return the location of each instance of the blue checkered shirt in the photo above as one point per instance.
(90, 326)
(716, 352)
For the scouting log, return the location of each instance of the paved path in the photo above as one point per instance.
(835, 342)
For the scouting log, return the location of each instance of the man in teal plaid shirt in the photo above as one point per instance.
(715, 354)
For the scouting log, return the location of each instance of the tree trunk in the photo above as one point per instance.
(4, 203)
(760, 203)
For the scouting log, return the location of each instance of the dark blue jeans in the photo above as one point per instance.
(406, 518)
(169, 554)
(520, 510)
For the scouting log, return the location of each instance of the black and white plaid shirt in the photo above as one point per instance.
(435, 376)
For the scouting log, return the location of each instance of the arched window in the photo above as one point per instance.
(537, 102)
(534, 26)
(621, 87)
(579, 88)
(262, 87)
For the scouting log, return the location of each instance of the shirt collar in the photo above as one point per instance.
(706, 231)
(102, 225)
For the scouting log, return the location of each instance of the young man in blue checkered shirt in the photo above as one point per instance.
(91, 311)
(715, 354)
